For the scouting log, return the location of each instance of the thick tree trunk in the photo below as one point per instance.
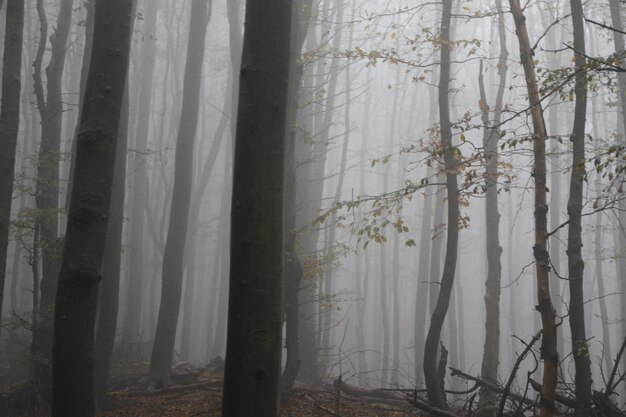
(77, 295)
(580, 348)
(112, 261)
(253, 351)
(9, 123)
(549, 352)
(173, 257)
(433, 387)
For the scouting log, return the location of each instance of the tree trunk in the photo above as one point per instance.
(9, 123)
(84, 72)
(77, 295)
(576, 264)
(254, 341)
(549, 352)
(491, 135)
(173, 257)
(140, 183)
(433, 387)
(47, 198)
(426, 244)
(617, 23)
(292, 276)
(607, 355)
(112, 261)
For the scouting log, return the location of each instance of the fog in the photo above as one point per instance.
(365, 216)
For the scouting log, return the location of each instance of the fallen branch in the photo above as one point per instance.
(208, 386)
(375, 395)
(610, 386)
(320, 406)
(518, 362)
(490, 386)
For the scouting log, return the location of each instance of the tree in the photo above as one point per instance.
(79, 278)
(431, 375)
(549, 352)
(106, 327)
(254, 342)
(140, 184)
(9, 123)
(51, 109)
(173, 257)
(576, 264)
(293, 271)
(491, 135)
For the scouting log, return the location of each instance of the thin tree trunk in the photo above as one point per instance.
(9, 123)
(580, 348)
(173, 257)
(77, 295)
(549, 352)
(424, 272)
(617, 23)
(433, 386)
(293, 272)
(607, 354)
(47, 197)
(491, 135)
(555, 183)
(89, 23)
(140, 183)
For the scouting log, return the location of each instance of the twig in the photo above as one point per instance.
(611, 386)
(320, 406)
(518, 362)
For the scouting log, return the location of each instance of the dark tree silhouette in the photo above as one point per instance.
(580, 347)
(549, 352)
(431, 376)
(79, 279)
(253, 351)
(9, 123)
(173, 257)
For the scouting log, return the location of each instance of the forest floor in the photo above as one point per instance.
(196, 392)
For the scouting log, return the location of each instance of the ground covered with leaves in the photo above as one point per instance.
(198, 392)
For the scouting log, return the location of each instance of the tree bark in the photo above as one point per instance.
(549, 352)
(77, 294)
(112, 259)
(84, 72)
(173, 257)
(433, 387)
(576, 264)
(254, 342)
(9, 123)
